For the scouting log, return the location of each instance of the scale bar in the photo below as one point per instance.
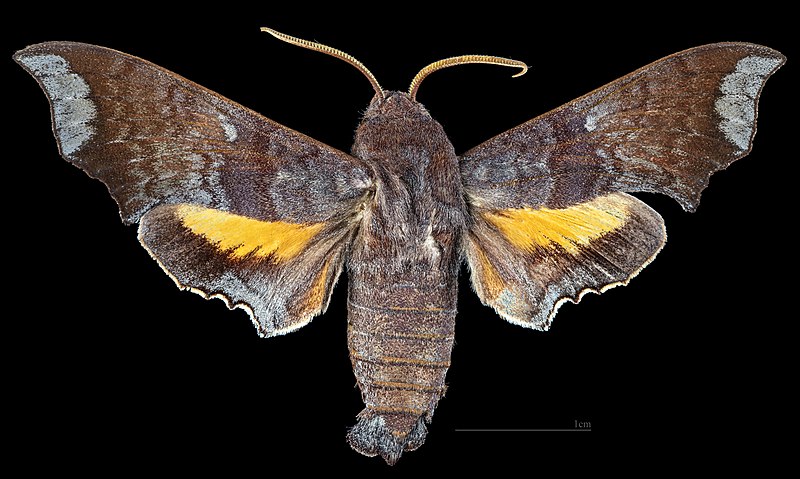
(525, 430)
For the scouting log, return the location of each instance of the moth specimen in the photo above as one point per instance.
(235, 206)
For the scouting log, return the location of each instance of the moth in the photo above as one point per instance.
(233, 205)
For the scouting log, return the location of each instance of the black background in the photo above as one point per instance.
(109, 367)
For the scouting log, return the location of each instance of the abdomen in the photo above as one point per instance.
(400, 336)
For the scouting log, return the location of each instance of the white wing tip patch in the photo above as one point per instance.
(739, 94)
(73, 110)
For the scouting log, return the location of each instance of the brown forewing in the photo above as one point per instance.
(664, 128)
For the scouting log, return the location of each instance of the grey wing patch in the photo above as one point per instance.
(73, 110)
(739, 94)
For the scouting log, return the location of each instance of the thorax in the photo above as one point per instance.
(417, 206)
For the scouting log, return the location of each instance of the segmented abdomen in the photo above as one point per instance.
(400, 338)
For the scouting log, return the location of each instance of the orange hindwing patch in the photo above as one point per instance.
(240, 236)
(569, 228)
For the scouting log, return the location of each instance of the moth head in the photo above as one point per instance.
(394, 106)
(392, 121)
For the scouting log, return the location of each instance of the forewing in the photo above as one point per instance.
(156, 138)
(664, 128)
(549, 219)
(231, 204)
